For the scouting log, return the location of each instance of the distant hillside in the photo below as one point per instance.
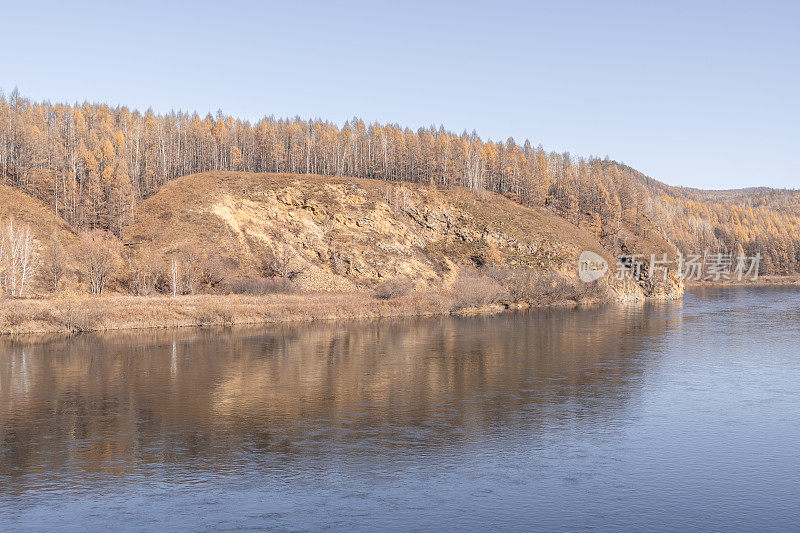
(751, 221)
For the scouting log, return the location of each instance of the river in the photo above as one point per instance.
(660, 417)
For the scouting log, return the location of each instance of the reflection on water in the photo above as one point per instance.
(552, 419)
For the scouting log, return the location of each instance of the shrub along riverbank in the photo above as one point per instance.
(472, 294)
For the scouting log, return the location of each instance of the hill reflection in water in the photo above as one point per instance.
(678, 416)
(213, 399)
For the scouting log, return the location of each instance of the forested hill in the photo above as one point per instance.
(93, 163)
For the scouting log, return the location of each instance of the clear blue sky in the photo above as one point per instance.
(698, 95)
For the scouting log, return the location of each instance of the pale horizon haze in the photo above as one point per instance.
(693, 94)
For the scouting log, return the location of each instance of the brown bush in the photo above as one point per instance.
(535, 287)
(54, 264)
(143, 270)
(73, 314)
(521, 284)
(212, 271)
(99, 252)
(475, 289)
(394, 288)
(285, 263)
(86, 320)
(13, 319)
(255, 286)
(45, 315)
(163, 280)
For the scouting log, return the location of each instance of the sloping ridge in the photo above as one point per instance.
(344, 234)
(27, 211)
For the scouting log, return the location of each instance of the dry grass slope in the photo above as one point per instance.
(351, 234)
(28, 211)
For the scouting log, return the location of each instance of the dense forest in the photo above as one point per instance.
(92, 163)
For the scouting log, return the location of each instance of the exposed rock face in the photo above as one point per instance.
(342, 234)
(638, 290)
(663, 289)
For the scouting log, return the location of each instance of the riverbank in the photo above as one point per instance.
(121, 312)
(762, 281)
(113, 312)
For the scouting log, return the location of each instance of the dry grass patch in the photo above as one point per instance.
(131, 312)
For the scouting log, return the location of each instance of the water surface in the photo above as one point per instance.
(672, 416)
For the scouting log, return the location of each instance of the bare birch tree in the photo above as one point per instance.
(17, 258)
